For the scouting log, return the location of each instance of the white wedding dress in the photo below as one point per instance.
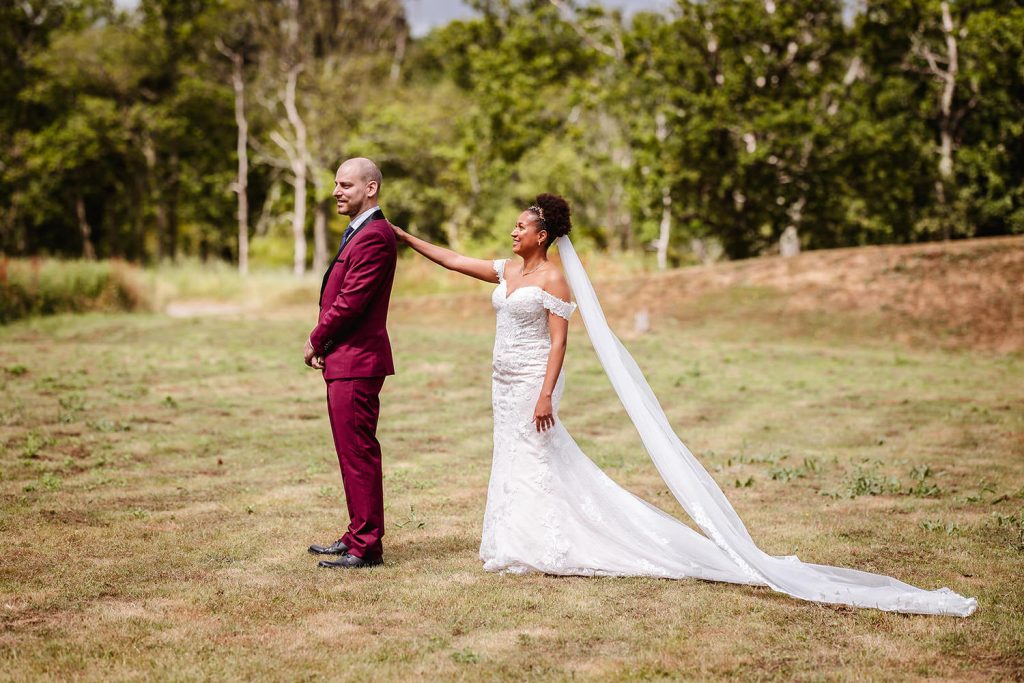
(550, 509)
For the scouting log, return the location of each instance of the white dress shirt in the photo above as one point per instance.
(360, 220)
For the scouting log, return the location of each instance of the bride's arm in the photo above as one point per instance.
(474, 267)
(543, 414)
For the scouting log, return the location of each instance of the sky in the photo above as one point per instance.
(424, 15)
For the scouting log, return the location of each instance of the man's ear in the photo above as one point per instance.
(371, 188)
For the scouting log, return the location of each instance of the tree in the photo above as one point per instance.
(239, 31)
(991, 160)
(37, 127)
(178, 127)
(319, 45)
(943, 64)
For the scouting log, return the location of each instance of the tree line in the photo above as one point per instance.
(212, 128)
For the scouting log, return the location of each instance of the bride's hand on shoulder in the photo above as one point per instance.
(400, 234)
(543, 415)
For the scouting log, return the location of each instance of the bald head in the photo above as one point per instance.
(356, 186)
(365, 169)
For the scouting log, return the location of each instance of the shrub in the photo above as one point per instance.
(35, 286)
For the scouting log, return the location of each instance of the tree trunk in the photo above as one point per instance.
(661, 134)
(323, 215)
(13, 227)
(666, 227)
(242, 179)
(789, 243)
(399, 56)
(88, 252)
(611, 218)
(618, 215)
(946, 133)
(300, 170)
(300, 151)
(299, 222)
(170, 201)
(135, 248)
(947, 74)
(452, 227)
(153, 189)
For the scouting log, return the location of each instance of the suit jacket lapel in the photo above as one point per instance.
(375, 216)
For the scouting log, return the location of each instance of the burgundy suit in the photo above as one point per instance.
(351, 334)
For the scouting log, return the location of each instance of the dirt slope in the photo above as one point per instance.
(966, 294)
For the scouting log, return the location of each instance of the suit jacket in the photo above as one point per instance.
(351, 332)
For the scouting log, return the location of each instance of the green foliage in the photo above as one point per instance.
(34, 442)
(949, 528)
(922, 487)
(1014, 522)
(789, 473)
(866, 479)
(728, 120)
(50, 482)
(412, 521)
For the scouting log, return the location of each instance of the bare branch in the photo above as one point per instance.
(922, 50)
(617, 52)
(224, 49)
(283, 143)
(265, 156)
(854, 72)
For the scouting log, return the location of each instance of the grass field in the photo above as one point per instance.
(162, 477)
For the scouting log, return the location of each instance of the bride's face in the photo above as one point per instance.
(526, 238)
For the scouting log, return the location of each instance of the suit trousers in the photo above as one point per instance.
(354, 408)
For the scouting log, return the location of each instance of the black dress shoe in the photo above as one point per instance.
(347, 561)
(336, 548)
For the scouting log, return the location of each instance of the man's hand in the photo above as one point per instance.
(309, 354)
(318, 363)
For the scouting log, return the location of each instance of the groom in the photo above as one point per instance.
(350, 344)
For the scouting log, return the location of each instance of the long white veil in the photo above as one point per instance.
(704, 501)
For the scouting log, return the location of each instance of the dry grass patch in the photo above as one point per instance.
(161, 479)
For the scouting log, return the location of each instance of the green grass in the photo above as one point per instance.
(161, 478)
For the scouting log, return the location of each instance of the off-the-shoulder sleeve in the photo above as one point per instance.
(499, 268)
(563, 309)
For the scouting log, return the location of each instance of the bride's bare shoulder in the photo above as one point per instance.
(556, 284)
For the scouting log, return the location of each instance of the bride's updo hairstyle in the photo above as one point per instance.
(553, 214)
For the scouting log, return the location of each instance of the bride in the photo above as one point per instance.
(551, 509)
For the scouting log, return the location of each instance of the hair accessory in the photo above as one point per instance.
(539, 211)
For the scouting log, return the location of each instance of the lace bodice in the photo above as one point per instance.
(522, 336)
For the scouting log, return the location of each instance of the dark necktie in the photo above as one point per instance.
(344, 238)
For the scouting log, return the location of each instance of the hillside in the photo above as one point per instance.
(956, 294)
